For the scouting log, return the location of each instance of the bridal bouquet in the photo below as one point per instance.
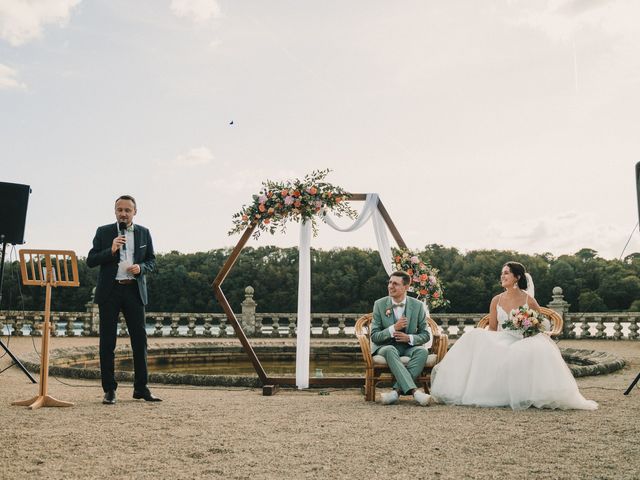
(526, 320)
(424, 278)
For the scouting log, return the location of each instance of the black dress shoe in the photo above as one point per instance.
(146, 395)
(109, 397)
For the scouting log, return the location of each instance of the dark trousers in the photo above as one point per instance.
(123, 298)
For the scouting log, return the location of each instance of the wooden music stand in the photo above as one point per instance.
(47, 268)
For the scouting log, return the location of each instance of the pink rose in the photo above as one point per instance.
(288, 200)
(414, 259)
(262, 198)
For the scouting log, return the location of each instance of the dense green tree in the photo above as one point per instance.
(589, 301)
(350, 280)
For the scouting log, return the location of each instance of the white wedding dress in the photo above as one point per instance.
(495, 369)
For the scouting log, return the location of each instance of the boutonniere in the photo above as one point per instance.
(388, 312)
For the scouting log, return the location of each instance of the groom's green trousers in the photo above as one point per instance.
(405, 375)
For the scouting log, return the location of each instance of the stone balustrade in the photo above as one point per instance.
(616, 326)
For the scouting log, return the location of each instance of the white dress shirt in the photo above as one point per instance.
(126, 256)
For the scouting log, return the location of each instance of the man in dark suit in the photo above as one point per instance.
(125, 255)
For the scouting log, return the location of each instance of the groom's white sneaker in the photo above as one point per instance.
(389, 398)
(422, 399)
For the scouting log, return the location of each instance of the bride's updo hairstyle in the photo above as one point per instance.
(519, 271)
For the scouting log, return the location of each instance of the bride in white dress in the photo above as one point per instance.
(496, 367)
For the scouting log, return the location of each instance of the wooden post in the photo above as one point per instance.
(45, 272)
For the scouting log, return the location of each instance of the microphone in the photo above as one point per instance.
(123, 227)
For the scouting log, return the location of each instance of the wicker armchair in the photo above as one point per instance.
(552, 315)
(376, 367)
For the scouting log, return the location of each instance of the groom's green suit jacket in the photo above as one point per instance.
(383, 318)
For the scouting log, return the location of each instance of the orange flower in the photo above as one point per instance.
(284, 192)
(410, 271)
(266, 220)
(296, 193)
(261, 207)
(297, 203)
(245, 218)
(436, 295)
(313, 190)
(423, 292)
(269, 194)
(271, 210)
(398, 258)
(338, 199)
(423, 277)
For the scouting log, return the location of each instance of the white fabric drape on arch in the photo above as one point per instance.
(304, 307)
(303, 341)
(380, 230)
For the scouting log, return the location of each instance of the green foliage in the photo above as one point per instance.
(589, 301)
(350, 280)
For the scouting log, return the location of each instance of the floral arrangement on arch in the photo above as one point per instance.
(527, 321)
(424, 278)
(279, 202)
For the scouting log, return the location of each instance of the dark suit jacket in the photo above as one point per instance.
(101, 255)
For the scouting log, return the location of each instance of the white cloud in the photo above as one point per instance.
(562, 19)
(194, 157)
(563, 233)
(9, 80)
(22, 21)
(198, 11)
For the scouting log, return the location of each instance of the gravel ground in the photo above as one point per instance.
(238, 433)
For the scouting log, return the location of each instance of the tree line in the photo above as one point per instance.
(350, 280)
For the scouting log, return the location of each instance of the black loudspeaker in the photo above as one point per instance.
(14, 199)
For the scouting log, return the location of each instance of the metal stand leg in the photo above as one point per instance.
(17, 362)
(633, 384)
(6, 349)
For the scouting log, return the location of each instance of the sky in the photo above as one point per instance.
(501, 124)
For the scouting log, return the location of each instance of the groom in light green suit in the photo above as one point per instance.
(399, 329)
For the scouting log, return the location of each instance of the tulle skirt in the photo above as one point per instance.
(496, 369)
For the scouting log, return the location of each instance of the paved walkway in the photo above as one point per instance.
(238, 433)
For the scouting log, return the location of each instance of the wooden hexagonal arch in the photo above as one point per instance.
(270, 384)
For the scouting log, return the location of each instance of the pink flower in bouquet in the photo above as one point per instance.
(432, 280)
(526, 323)
(262, 198)
(288, 200)
(414, 259)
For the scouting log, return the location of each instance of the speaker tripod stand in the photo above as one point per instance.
(6, 349)
(633, 384)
